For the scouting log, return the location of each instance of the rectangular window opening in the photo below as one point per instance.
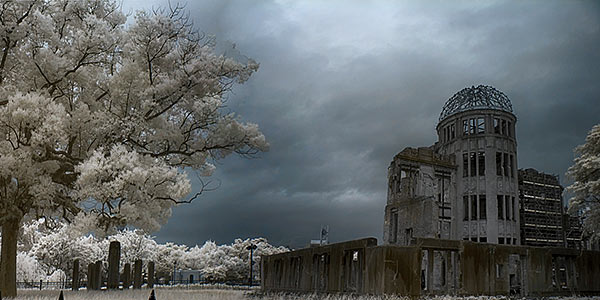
(394, 227)
(498, 163)
(497, 125)
(465, 164)
(512, 166)
(507, 206)
(505, 163)
(481, 163)
(480, 125)
(513, 207)
(473, 162)
(482, 208)
(500, 208)
(473, 207)
(445, 134)
(499, 269)
(466, 208)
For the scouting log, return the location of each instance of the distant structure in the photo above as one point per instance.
(323, 239)
(188, 276)
(544, 223)
(465, 186)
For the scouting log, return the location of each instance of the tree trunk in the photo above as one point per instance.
(8, 258)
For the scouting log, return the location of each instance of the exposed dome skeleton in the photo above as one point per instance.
(480, 97)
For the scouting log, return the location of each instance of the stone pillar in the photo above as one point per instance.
(75, 282)
(126, 276)
(90, 276)
(430, 259)
(114, 257)
(150, 274)
(98, 275)
(137, 274)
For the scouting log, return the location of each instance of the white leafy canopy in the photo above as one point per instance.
(586, 186)
(103, 119)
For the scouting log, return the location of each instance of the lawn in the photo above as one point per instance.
(161, 294)
(196, 293)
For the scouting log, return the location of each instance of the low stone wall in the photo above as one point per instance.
(433, 267)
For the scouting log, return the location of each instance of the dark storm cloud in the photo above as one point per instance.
(344, 86)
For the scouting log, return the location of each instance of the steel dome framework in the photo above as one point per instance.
(479, 97)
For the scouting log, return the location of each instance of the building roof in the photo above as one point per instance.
(476, 97)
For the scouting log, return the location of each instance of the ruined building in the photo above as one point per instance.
(544, 221)
(452, 222)
(541, 209)
(465, 186)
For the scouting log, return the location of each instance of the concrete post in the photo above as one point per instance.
(137, 274)
(98, 275)
(150, 274)
(75, 282)
(90, 276)
(127, 276)
(114, 257)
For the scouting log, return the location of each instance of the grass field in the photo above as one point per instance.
(161, 294)
(226, 294)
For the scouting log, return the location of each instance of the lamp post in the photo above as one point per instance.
(252, 247)
(174, 270)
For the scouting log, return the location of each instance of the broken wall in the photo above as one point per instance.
(433, 267)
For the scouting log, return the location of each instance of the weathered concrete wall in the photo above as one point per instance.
(401, 270)
(433, 267)
(475, 269)
(331, 268)
(588, 267)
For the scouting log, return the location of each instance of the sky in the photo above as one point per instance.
(345, 85)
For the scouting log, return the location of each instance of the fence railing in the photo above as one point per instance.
(48, 285)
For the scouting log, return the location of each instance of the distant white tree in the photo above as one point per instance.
(586, 186)
(29, 269)
(228, 262)
(100, 120)
(212, 260)
(239, 252)
(56, 250)
(168, 256)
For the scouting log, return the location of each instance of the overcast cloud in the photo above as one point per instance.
(345, 85)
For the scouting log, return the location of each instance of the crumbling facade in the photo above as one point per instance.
(473, 166)
(421, 183)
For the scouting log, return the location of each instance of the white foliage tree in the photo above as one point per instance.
(586, 186)
(168, 256)
(29, 269)
(100, 120)
(53, 251)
